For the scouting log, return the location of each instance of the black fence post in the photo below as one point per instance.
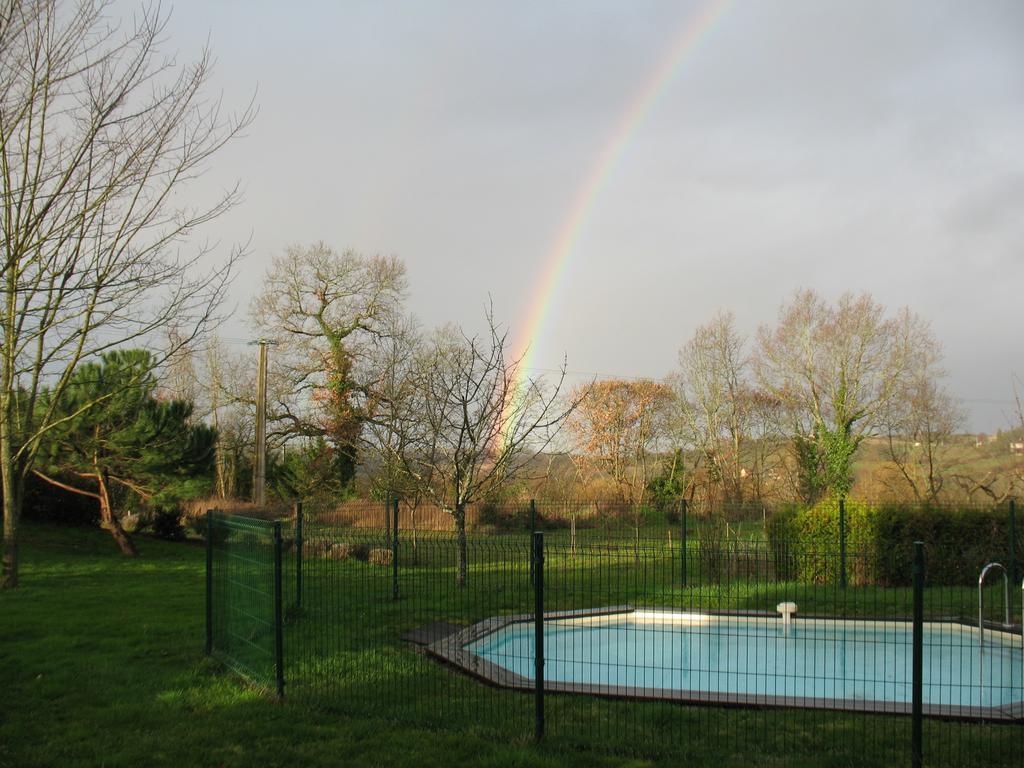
(209, 582)
(298, 553)
(682, 517)
(394, 549)
(538, 632)
(1013, 542)
(842, 542)
(533, 529)
(278, 613)
(917, 754)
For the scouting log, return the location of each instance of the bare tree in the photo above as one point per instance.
(328, 312)
(1005, 480)
(473, 422)
(97, 133)
(992, 485)
(835, 371)
(767, 462)
(230, 383)
(619, 426)
(207, 376)
(718, 398)
(179, 377)
(386, 437)
(920, 422)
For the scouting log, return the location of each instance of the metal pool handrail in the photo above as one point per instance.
(981, 598)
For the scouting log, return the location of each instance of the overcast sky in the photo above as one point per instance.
(864, 146)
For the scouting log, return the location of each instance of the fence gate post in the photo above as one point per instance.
(1013, 542)
(394, 549)
(278, 613)
(917, 753)
(682, 517)
(842, 542)
(209, 582)
(538, 632)
(298, 553)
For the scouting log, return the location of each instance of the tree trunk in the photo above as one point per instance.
(218, 451)
(12, 485)
(460, 529)
(737, 468)
(12, 512)
(108, 519)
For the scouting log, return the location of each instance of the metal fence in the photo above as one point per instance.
(716, 526)
(244, 599)
(741, 654)
(592, 517)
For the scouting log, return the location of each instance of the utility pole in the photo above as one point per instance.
(259, 490)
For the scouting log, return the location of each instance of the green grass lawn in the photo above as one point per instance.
(101, 663)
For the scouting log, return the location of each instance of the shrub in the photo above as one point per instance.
(554, 522)
(780, 529)
(167, 524)
(344, 550)
(504, 517)
(712, 557)
(221, 533)
(514, 517)
(880, 539)
(958, 542)
(817, 531)
(316, 548)
(131, 522)
(336, 550)
(48, 503)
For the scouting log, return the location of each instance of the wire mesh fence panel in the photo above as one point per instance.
(354, 647)
(739, 651)
(983, 531)
(751, 664)
(242, 615)
(973, 667)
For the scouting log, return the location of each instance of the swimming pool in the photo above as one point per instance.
(751, 659)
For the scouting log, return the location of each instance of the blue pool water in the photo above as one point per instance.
(821, 659)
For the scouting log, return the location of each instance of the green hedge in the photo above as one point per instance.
(959, 541)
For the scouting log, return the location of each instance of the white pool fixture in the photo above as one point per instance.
(981, 600)
(787, 610)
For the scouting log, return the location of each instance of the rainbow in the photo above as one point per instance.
(693, 31)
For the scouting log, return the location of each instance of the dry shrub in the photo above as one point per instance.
(198, 507)
(380, 556)
(343, 550)
(316, 548)
(194, 511)
(359, 513)
(336, 550)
